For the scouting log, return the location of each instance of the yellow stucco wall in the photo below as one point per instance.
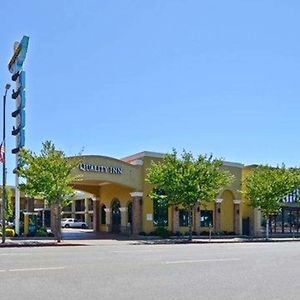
(246, 208)
(112, 191)
(227, 217)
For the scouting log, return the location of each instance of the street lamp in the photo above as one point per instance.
(3, 206)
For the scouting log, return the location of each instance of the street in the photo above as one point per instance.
(127, 270)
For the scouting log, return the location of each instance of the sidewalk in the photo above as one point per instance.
(37, 242)
(116, 240)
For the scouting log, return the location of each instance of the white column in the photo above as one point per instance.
(124, 219)
(256, 222)
(197, 219)
(96, 205)
(237, 216)
(108, 218)
(137, 212)
(175, 218)
(87, 218)
(73, 208)
(217, 223)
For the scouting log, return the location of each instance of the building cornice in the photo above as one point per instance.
(142, 155)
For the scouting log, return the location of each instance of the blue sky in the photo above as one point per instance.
(120, 77)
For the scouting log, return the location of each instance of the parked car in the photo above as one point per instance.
(73, 223)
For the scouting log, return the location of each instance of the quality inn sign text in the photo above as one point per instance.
(100, 169)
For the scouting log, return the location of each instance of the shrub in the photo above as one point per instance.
(231, 233)
(187, 233)
(9, 232)
(204, 233)
(178, 233)
(42, 232)
(162, 232)
(50, 234)
(220, 233)
(142, 233)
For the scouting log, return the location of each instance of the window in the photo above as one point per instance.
(160, 210)
(79, 205)
(103, 215)
(183, 218)
(206, 218)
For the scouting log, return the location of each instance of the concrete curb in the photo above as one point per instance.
(178, 242)
(23, 243)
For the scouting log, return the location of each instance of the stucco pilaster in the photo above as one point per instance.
(73, 208)
(137, 208)
(96, 205)
(197, 219)
(175, 219)
(108, 218)
(124, 219)
(217, 222)
(87, 218)
(256, 229)
(237, 216)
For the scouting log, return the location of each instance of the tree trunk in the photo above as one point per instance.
(190, 212)
(56, 221)
(267, 227)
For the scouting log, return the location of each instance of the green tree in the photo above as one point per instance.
(9, 202)
(266, 187)
(8, 207)
(187, 181)
(48, 175)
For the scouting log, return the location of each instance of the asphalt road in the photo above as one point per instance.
(117, 270)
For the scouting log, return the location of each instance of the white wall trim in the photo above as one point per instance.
(219, 200)
(137, 162)
(136, 194)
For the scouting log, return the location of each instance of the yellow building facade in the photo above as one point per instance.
(113, 196)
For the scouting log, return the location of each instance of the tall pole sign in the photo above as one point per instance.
(15, 66)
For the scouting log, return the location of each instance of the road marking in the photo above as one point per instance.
(36, 269)
(133, 251)
(200, 261)
(9, 254)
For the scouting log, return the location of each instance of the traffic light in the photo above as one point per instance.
(19, 113)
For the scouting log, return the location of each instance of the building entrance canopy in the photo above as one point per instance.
(95, 171)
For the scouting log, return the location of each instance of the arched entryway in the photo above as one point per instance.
(115, 216)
